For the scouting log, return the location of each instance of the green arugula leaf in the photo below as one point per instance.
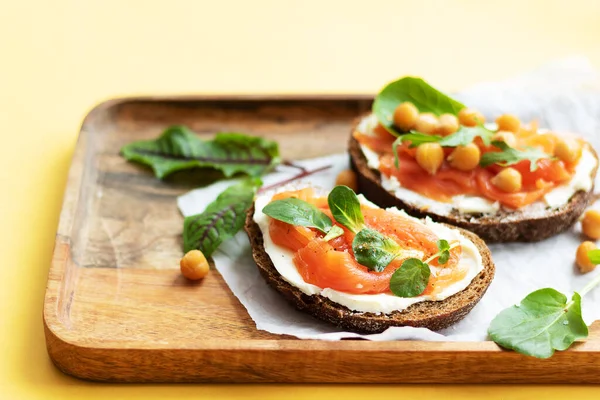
(415, 138)
(594, 256)
(542, 323)
(333, 233)
(178, 149)
(298, 213)
(410, 279)
(395, 145)
(417, 91)
(462, 137)
(345, 207)
(444, 253)
(510, 156)
(374, 250)
(466, 135)
(221, 219)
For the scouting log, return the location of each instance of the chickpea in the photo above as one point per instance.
(505, 136)
(465, 158)
(430, 157)
(470, 117)
(405, 116)
(427, 123)
(590, 224)
(583, 259)
(194, 265)
(568, 150)
(347, 178)
(448, 124)
(508, 180)
(508, 122)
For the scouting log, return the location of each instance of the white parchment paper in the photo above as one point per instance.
(563, 96)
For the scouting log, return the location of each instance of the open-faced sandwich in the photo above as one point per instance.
(428, 154)
(343, 259)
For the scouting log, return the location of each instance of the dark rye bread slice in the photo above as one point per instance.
(434, 315)
(505, 226)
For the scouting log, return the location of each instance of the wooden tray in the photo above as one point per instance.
(116, 308)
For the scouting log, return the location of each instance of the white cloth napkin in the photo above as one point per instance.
(563, 95)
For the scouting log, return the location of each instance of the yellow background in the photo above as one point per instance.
(59, 58)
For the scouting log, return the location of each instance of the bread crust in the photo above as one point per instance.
(434, 315)
(493, 229)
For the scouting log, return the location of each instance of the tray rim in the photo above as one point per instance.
(104, 105)
(57, 338)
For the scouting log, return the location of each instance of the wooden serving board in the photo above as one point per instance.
(117, 309)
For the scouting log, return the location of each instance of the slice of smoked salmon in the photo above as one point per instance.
(318, 263)
(289, 236)
(406, 232)
(306, 194)
(332, 264)
(445, 277)
(442, 186)
(512, 200)
(379, 141)
(544, 141)
(547, 169)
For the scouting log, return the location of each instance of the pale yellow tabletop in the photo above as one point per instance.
(59, 58)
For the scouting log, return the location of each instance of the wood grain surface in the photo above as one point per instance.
(117, 309)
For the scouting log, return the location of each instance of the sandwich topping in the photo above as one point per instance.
(362, 257)
(435, 153)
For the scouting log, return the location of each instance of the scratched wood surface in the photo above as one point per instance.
(117, 309)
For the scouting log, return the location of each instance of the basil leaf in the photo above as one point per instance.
(298, 213)
(510, 156)
(541, 324)
(221, 219)
(417, 91)
(444, 254)
(178, 148)
(345, 207)
(410, 279)
(374, 250)
(444, 257)
(594, 256)
(333, 233)
(443, 245)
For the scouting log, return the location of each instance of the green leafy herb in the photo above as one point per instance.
(542, 323)
(178, 148)
(444, 253)
(466, 135)
(374, 250)
(333, 233)
(509, 156)
(462, 137)
(298, 213)
(221, 219)
(417, 91)
(301, 213)
(410, 279)
(345, 207)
